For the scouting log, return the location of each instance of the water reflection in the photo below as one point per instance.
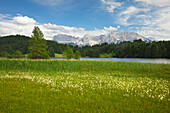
(144, 60)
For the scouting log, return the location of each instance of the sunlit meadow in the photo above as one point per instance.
(83, 86)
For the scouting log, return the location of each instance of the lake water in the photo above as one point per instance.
(144, 60)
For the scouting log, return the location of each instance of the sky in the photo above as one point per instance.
(149, 18)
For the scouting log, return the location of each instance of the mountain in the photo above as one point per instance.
(92, 40)
(61, 38)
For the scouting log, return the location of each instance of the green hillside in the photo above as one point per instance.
(9, 44)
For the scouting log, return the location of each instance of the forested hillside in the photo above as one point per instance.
(136, 49)
(9, 44)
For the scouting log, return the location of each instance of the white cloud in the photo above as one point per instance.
(151, 21)
(16, 25)
(112, 28)
(156, 33)
(5, 16)
(133, 12)
(126, 14)
(50, 30)
(130, 10)
(110, 5)
(160, 3)
(24, 20)
(158, 25)
(24, 25)
(96, 32)
(162, 19)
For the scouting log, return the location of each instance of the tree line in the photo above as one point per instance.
(127, 49)
(38, 47)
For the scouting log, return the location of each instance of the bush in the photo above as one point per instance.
(10, 56)
(17, 54)
(77, 55)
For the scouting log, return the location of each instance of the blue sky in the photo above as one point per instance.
(150, 18)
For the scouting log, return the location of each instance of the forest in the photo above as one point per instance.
(136, 49)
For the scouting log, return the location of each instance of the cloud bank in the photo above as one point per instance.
(24, 25)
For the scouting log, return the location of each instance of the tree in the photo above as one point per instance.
(51, 52)
(9, 56)
(77, 55)
(69, 52)
(37, 45)
(3, 53)
(17, 54)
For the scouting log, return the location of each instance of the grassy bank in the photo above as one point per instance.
(83, 86)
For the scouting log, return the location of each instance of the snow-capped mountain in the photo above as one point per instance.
(61, 38)
(92, 40)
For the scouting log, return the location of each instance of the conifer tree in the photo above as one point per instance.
(37, 45)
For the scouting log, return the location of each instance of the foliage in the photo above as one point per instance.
(58, 48)
(69, 52)
(9, 44)
(37, 45)
(17, 54)
(127, 49)
(12, 43)
(77, 55)
(51, 52)
(106, 55)
(10, 56)
(4, 53)
(135, 49)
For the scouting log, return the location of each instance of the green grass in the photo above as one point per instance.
(58, 55)
(83, 86)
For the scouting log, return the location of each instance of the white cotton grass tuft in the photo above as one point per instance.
(86, 83)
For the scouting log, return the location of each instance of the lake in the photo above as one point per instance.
(144, 60)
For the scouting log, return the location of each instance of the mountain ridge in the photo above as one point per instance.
(113, 37)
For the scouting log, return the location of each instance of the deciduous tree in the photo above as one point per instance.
(77, 55)
(69, 52)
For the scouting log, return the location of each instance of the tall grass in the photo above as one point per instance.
(83, 86)
(115, 68)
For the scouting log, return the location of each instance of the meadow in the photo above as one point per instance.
(83, 86)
